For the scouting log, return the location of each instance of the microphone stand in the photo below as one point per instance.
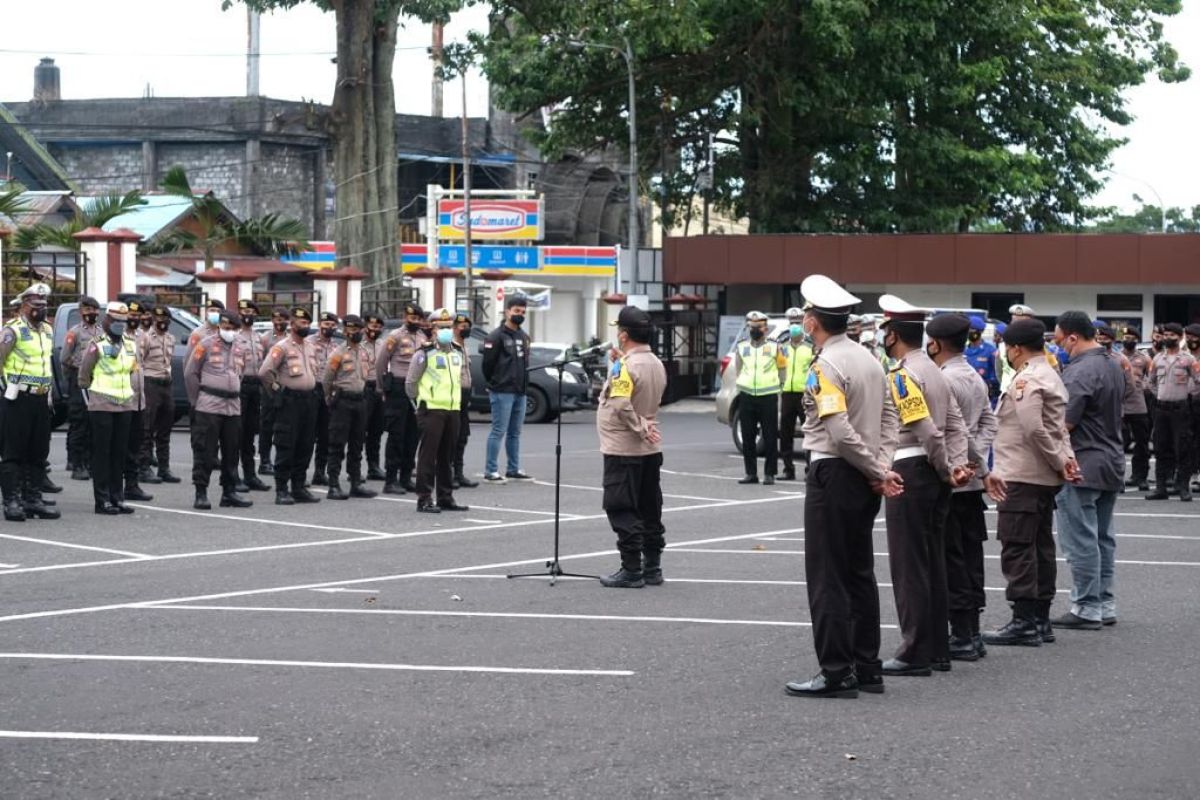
(554, 569)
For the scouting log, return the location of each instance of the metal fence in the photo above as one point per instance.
(64, 271)
(192, 300)
(687, 345)
(289, 299)
(387, 301)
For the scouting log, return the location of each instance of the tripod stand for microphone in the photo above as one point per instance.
(554, 570)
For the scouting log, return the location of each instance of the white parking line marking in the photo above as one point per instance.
(71, 545)
(673, 579)
(994, 558)
(268, 662)
(481, 521)
(9, 566)
(349, 591)
(128, 737)
(236, 518)
(601, 489)
(412, 501)
(701, 475)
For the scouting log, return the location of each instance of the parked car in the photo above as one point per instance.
(67, 316)
(541, 396)
(727, 395)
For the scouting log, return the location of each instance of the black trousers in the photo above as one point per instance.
(966, 531)
(158, 418)
(79, 443)
(1194, 467)
(24, 440)
(916, 533)
(839, 566)
(791, 412)
(110, 448)
(211, 432)
(250, 424)
(633, 503)
(439, 434)
(374, 431)
(1172, 444)
(295, 431)
(464, 432)
(266, 436)
(401, 422)
(137, 434)
(755, 413)
(347, 429)
(321, 451)
(1025, 531)
(1139, 434)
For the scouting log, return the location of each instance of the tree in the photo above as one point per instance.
(861, 115)
(93, 212)
(1150, 219)
(11, 203)
(362, 123)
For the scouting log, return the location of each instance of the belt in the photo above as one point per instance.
(158, 381)
(814, 457)
(1172, 403)
(349, 396)
(228, 395)
(299, 392)
(371, 385)
(250, 380)
(29, 388)
(916, 451)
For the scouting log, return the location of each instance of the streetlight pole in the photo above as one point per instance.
(1162, 209)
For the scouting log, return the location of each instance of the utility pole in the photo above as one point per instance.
(466, 171)
(435, 109)
(708, 182)
(252, 52)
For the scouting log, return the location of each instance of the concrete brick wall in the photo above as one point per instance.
(210, 166)
(101, 168)
(285, 183)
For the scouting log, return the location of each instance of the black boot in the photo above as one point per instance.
(10, 484)
(335, 490)
(319, 478)
(1021, 631)
(231, 499)
(254, 483)
(374, 473)
(977, 636)
(201, 502)
(425, 506)
(146, 475)
(48, 486)
(303, 495)
(283, 497)
(359, 489)
(266, 467)
(166, 476)
(652, 572)
(392, 486)
(408, 484)
(624, 579)
(962, 640)
(81, 474)
(32, 502)
(134, 492)
(462, 481)
(1045, 629)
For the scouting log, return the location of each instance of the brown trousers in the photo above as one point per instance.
(1025, 531)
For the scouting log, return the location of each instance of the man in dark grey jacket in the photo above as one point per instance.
(505, 367)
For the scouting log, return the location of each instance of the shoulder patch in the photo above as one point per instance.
(907, 395)
(828, 397)
(620, 381)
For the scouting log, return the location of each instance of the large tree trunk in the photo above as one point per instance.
(363, 130)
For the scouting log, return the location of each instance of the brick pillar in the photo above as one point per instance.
(107, 252)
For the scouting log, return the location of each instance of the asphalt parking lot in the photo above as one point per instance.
(360, 650)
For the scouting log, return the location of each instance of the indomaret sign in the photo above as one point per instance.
(492, 220)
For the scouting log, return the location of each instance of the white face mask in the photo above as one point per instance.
(228, 336)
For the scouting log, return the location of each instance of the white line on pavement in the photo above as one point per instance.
(673, 579)
(350, 591)
(9, 566)
(128, 737)
(481, 521)
(73, 546)
(601, 489)
(700, 475)
(994, 558)
(238, 518)
(411, 501)
(266, 662)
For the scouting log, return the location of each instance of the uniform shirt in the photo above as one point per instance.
(1006, 372)
(373, 349)
(156, 350)
(134, 335)
(289, 366)
(1133, 401)
(204, 331)
(971, 394)
(1141, 364)
(412, 383)
(78, 338)
(466, 370)
(1172, 376)
(99, 402)
(216, 364)
(322, 349)
(929, 415)
(348, 370)
(1095, 386)
(982, 358)
(396, 355)
(629, 403)
(848, 408)
(1031, 445)
(253, 350)
(750, 354)
(1195, 381)
(269, 340)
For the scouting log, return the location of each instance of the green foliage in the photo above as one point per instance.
(424, 10)
(10, 199)
(1150, 219)
(93, 212)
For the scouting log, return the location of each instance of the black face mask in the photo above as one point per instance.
(326, 333)
(248, 321)
(1159, 345)
(280, 327)
(1193, 344)
(464, 334)
(37, 314)
(974, 336)
(1170, 343)
(1130, 346)
(147, 324)
(302, 332)
(372, 334)
(517, 319)
(90, 319)
(355, 337)
(413, 327)
(162, 324)
(757, 333)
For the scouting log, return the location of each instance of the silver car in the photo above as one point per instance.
(727, 395)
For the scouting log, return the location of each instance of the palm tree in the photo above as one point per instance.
(11, 203)
(93, 213)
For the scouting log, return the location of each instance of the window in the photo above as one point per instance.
(996, 304)
(1118, 302)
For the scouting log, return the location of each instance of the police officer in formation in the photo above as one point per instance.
(137, 424)
(462, 334)
(280, 325)
(1174, 375)
(289, 381)
(760, 366)
(392, 365)
(799, 356)
(79, 446)
(112, 384)
(434, 386)
(251, 396)
(156, 352)
(344, 385)
(323, 345)
(373, 343)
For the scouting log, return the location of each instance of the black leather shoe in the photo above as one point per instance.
(752, 479)
(897, 668)
(822, 686)
(319, 479)
(963, 649)
(769, 480)
(36, 508)
(653, 576)
(255, 484)
(453, 506)
(241, 487)
(305, 496)
(1072, 621)
(374, 473)
(283, 498)
(1186, 495)
(623, 579)
(146, 475)
(790, 475)
(335, 492)
(1045, 630)
(234, 500)
(463, 482)
(166, 476)
(1018, 632)
(266, 468)
(81, 474)
(394, 488)
(201, 502)
(1108, 621)
(427, 507)
(940, 666)
(1159, 495)
(359, 489)
(123, 509)
(14, 511)
(1143, 487)
(870, 683)
(107, 509)
(408, 484)
(134, 492)
(50, 487)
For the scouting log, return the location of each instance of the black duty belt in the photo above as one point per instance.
(250, 380)
(158, 381)
(298, 392)
(1171, 404)
(226, 394)
(350, 395)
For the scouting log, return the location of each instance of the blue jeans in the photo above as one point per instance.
(1086, 536)
(508, 415)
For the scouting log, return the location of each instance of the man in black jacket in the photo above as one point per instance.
(505, 365)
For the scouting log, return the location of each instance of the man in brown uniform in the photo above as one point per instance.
(323, 345)
(627, 422)
(373, 342)
(108, 374)
(1137, 411)
(1033, 458)
(280, 321)
(391, 370)
(156, 351)
(210, 324)
(213, 373)
(288, 382)
(1173, 380)
(79, 453)
(251, 396)
(345, 384)
(462, 334)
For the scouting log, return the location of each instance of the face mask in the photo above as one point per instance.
(280, 327)
(248, 321)
(445, 336)
(162, 324)
(116, 329)
(326, 332)
(90, 319)
(1158, 345)
(974, 336)
(413, 327)
(929, 351)
(37, 314)
(809, 330)
(372, 334)
(213, 317)
(465, 333)
(1171, 342)
(1193, 344)
(302, 331)
(517, 319)
(757, 333)
(1130, 346)
(796, 331)
(228, 336)
(887, 349)
(355, 337)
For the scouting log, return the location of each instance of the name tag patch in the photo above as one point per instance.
(827, 397)
(909, 400)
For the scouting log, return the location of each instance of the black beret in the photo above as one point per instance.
(329, 316)
(229, 316)
(1134, 332)
(353, 319)
(300, 312)
(948, 326)
(247, 305)
(134, 306)
(215, 303)
(280, 311)
(413, 308)
(1173, 327)
(374, 318)
(161, 311)
(90, 302)
(1193, 329)
(1025, 333)
(1104, 329)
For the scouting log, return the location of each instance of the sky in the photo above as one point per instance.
(180, 48)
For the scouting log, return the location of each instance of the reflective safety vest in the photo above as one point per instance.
(800, 357)
(758, 371)
(112, 376)
(29, 360)
(440, 386)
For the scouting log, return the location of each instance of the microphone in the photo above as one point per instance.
(603, 347)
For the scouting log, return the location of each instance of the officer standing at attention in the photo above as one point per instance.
(1033, 458)
(930, 457)
(345, 386)
(213, 374)
(434, 384)
(981, 355)
(25, 348)
(323, 345)
(1191, 337)
(251, 396)
(799, 356)
(289, 383)
(760, 366)
(1173, 377)
(79, 444)
(849, 420)
(109, 376)
(401, 420)
(966, 530)
(1137, 412)
(156, 351)
(373, 342)
(137, 423)
(212, 320)
(280, 322)
(462, 333)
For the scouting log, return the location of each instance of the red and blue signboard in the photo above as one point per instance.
(492, 220)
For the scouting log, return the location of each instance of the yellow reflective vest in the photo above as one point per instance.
(440, 386)
(758, 368)
(799, 358)
(112, 376)
(29, 360)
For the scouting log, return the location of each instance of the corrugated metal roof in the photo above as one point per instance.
(159, 212)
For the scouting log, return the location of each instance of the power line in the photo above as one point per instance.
(129, 53)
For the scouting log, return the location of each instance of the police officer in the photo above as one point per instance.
(79, 453)
(251, 400)
(930, 457)
(213, 374)
(462, 333)
(373, 342)
(1191, 338)
(280, 323)
(981, 355)
(391, 370)
(344, 384)
(109, 375)
(627, 422)
(849, 420)
(323, 345)
(434, 384)
(1173, 377)
(1033, 457)
(799, 356)
(288, 382)
(1137, 414)
(156, 352)
(137, 423)
(212, 320)
(760, 367)
(26, 344)
(966, 530)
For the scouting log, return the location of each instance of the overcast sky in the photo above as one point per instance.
(192, 48)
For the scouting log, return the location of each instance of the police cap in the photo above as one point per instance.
(117, 310)
(300, 312)
(977, 322)
(1173, 327)
(1025, 333)
(755, 316)
(229, 316)
(87, 301)
(329, 316)
(353, 320)
(1132, 331)
(1193, 329)
(953, 327)
(634, 317)
(215, 303)
(374, 318)
(161, 311)
(246, 304)
(824, 294)
(460, 318)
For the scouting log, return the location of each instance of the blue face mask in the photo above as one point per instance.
(797, 331)
(214, 317)
(445, 336)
